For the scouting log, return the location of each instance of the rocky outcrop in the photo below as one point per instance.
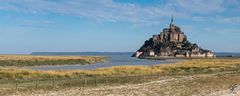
(171, 42)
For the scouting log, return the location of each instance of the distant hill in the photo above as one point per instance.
(228, 54)
(82, 53)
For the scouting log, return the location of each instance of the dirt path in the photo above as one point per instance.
(167, 86)
(235, 92)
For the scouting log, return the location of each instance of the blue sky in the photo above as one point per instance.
(114, 25)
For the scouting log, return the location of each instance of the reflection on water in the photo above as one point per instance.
(114, 60)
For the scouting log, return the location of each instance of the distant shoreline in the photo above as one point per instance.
(30, 60)
(188, 58)
(81, 53)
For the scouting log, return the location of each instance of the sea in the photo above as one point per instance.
(115, 59)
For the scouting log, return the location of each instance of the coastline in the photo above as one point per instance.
(185, 58)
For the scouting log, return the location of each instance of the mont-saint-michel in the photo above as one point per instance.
(85, 48)
(172, 42)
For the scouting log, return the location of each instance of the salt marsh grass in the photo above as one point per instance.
(208, 74)
(29, 60)
(195, 66)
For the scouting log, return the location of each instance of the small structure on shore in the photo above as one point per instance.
(171, 42)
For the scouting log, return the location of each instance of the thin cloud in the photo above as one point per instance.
(222, 30)
(108, 10)
(200, 6)
(198, 18)
(231, 20)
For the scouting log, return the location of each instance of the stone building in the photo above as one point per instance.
(171, 42)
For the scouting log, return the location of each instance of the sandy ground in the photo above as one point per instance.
(235, 92)
(162, 87)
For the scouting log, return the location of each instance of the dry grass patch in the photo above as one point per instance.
(29, 60)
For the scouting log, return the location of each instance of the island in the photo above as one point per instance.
(171, 43)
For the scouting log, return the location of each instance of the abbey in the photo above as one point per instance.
(171, 42)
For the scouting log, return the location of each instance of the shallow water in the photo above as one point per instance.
(114, 60)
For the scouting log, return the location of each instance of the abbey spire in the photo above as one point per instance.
(172, 20)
